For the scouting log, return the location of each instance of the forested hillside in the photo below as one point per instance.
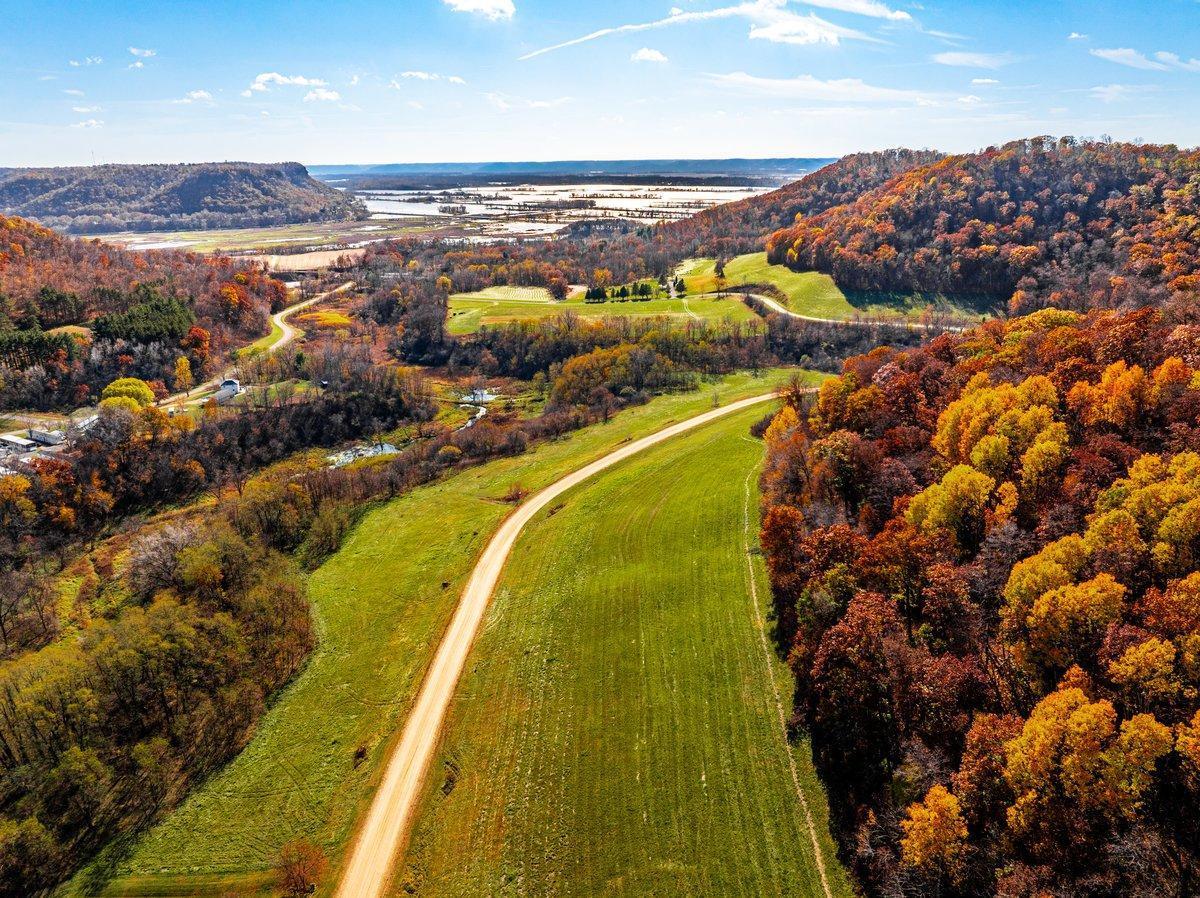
(146, 310)
(1036, 222)
(985, 562)
(735, 228)
(105, 198)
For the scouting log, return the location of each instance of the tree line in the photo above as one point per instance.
(985, 571)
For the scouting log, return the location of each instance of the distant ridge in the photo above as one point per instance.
(106, 198)
(760, 168)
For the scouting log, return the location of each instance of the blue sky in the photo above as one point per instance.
(456, 80)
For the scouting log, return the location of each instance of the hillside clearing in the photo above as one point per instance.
(618, 731)
(380, 604)
(500, 305)
(814, 294)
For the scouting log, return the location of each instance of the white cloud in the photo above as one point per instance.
(1129, 57)
(973, 60)
(321, 94)
(141, 53)
(72, 92)
(1076, 36)
(414, 104)
(1114, 93)
(970, 100)
(1173, 60)
(87, 60)
(455, 79)
(195, 96)
(89, 123)
(84, 110)
(263, 82)
(420, 76)
(769, 20)
(354, 79)
(806, 87)
(137, 65)
(646, 54)
(489, 9)
(984, 81)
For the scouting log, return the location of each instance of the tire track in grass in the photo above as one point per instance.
(761, 627)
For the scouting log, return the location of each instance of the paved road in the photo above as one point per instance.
(382, 837)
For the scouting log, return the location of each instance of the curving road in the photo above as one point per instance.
(286, 336)
(376, 851)
(776, 306)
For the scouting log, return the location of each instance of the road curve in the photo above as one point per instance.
(289, 333)
(776, 306)
(383, 834)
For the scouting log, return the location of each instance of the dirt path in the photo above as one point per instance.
(760, 625)
(377, 850)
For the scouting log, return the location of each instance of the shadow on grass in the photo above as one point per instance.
(912, 302)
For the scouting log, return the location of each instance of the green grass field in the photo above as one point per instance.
(498, 305)
(619, 731)
(381, 604)
(813, 293)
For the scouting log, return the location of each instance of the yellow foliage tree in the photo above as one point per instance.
(935, 833)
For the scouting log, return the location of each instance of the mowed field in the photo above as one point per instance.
(620, 729)
(499, 305)
(381, 604)
(815, 294)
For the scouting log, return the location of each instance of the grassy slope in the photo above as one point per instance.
(810, 292)
(469, 311)
(617, 732)
(380, 606)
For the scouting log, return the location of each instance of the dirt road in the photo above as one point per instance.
(776, 306)
(382, 837)
(286, 336)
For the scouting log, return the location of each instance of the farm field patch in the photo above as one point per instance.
(620, 727)
(499, 305)
(815, 294)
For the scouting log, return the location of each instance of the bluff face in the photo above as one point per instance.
(106, 198)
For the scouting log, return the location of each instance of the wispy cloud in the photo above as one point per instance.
(646, 54)
(965, 59)
(322, 95)
(1173, 60)
(1127, 56)
(770, 20)
(137, 65)
(504, 102)
(1076, 36)
(84, 110)
(862, 8)
(73, 92)
(1114, 93)
(142, 53)
(86, 61)
(489, 9)
(89, 123)
(266, 80)
(427, 76)
(195, 96)
(984, 81)
(806, 87)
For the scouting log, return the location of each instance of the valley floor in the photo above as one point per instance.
(381, 603)
(620, 729)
